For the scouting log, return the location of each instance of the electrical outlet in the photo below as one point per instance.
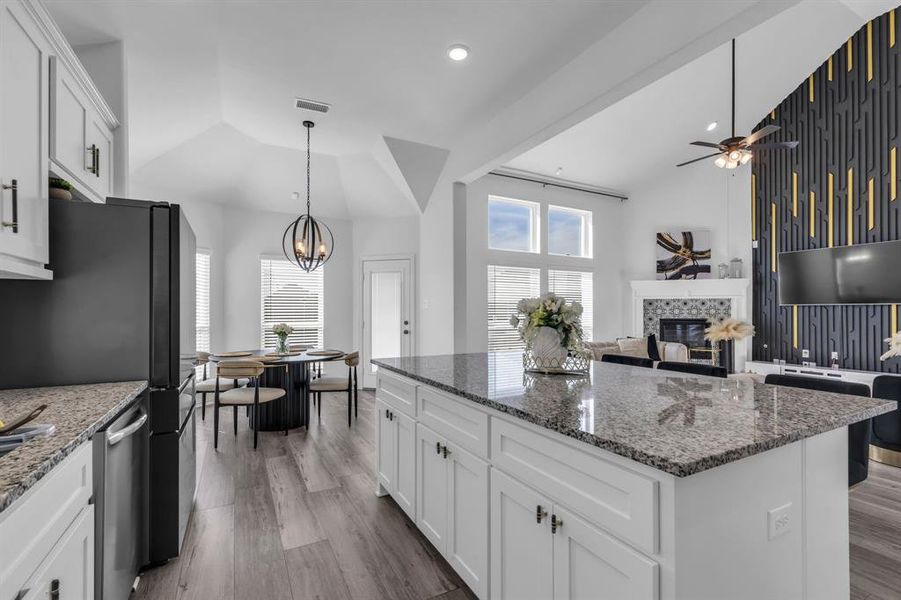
(779, 521)
(834, 355)
(805, 353)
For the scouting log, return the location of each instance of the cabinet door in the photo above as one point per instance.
(522, 548)
(69, 569)
(590, 564)
(431, 487)
(467, 518)
(386, 455)
(100, 139)
(69, 117)
(405, 470)
(24, 73)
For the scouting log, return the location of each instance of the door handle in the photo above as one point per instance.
(406, 332)
(97, 164)
(438, 447)
(540, 513)
(555, 523)
(14, 186)
(93, 150)
(114, 438)
(54, 589)
(446, 451)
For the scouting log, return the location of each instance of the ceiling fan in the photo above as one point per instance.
(734, 151)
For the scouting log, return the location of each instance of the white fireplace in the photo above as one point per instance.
(708, 298)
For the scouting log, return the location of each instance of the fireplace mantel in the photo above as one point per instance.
(738, 291)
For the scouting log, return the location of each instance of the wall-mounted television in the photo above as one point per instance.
(862, 274)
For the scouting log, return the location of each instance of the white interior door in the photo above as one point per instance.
(387, 312)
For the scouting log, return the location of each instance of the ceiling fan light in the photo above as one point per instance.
(731, 164)
(720, 161)
(734, 155)
(745, 157)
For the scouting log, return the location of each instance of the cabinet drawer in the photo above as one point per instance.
(617, 499)
(463, 425)
(397, 392)
(38, 520)
(70, 567)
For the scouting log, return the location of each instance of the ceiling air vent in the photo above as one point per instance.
(312, 105)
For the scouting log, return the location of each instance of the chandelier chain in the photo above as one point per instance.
(308, 170)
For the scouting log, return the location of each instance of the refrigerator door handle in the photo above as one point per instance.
(113, 438)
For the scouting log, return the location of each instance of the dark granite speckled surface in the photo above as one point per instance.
(77, 411)
(680, 424)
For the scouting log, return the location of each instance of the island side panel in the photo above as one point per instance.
(774, 525)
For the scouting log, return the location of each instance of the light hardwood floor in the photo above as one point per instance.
(298, 519)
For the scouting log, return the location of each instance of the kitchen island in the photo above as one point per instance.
(629, 483)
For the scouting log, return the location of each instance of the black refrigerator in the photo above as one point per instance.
(120, 307)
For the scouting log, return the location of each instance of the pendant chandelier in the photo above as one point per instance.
(306, 241)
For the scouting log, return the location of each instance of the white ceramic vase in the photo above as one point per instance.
(546, 346)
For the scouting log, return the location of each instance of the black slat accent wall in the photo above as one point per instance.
(846, 117)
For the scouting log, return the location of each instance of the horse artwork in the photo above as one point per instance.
(685, 255)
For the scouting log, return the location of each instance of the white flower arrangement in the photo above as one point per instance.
(282, 329)
(553, 311)
(894, 347)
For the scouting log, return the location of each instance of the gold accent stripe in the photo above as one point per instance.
(829, 69)
(812, 207)
(893, 173)
(753, 206)
(810, 85)
(773, 114)
(894, 319)
(850, 45)
(795, 326)
(773, 237)
(871, 206)
(794, 194)
(870, 51)
(851, 206)
(830, 206)
(891, 28)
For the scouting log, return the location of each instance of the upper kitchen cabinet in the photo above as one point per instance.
(24, 75)
(54, 120)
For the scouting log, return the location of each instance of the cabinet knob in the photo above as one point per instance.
(555, 523)
(540, 513)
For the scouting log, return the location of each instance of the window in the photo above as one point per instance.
(506, 287)
(512, 225)
(202, 300)
(293, 296)
(579, 286)
(568, 232)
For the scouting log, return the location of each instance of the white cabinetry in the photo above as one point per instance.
(397, 456)
(24, 65)
(51, 534)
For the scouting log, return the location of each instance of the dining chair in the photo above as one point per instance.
(632, 361)
(693, 368)
(244, 396)
(339, 384)
(207, 384)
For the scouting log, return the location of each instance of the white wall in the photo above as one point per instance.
(472, 251)
(698, 196)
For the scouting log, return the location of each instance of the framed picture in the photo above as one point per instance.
(683, 255)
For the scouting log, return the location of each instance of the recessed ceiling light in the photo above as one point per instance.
(458, 52)
(711, 126)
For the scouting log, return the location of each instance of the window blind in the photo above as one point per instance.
(290, 295)
(202, 300)
(506, 287)
(578, 286)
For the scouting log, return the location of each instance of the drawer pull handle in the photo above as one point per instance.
(555, 523)
(438, 447)
(14, 186)
(540, 513)
(54, 589)
(446, 451)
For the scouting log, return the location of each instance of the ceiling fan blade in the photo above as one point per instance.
(697, 159)
(759, 134)
(774, 146)
(708, 145)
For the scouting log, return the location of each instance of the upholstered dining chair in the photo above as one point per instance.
(858, 433)
(693, 369)
(251, 395)
(886, 442)
(632, 361)
(207, 384)
(339, 384)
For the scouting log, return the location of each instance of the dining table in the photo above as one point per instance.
(294, 379)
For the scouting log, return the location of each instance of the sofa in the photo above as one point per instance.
(669, 351)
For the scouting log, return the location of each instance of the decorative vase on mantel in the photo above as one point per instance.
(727, 355)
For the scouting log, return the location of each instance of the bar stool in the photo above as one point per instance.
(243, 396)
(207, 385)
(339, 384)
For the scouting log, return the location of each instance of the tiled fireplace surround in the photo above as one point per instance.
(691, 299)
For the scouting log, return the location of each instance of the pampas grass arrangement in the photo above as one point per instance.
(894, 347)
(728, 330)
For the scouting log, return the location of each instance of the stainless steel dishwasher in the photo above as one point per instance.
(121, 501)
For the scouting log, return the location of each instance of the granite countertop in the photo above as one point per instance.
(678, 423)
(77, 411)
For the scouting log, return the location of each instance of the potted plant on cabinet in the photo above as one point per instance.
(60, 189)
